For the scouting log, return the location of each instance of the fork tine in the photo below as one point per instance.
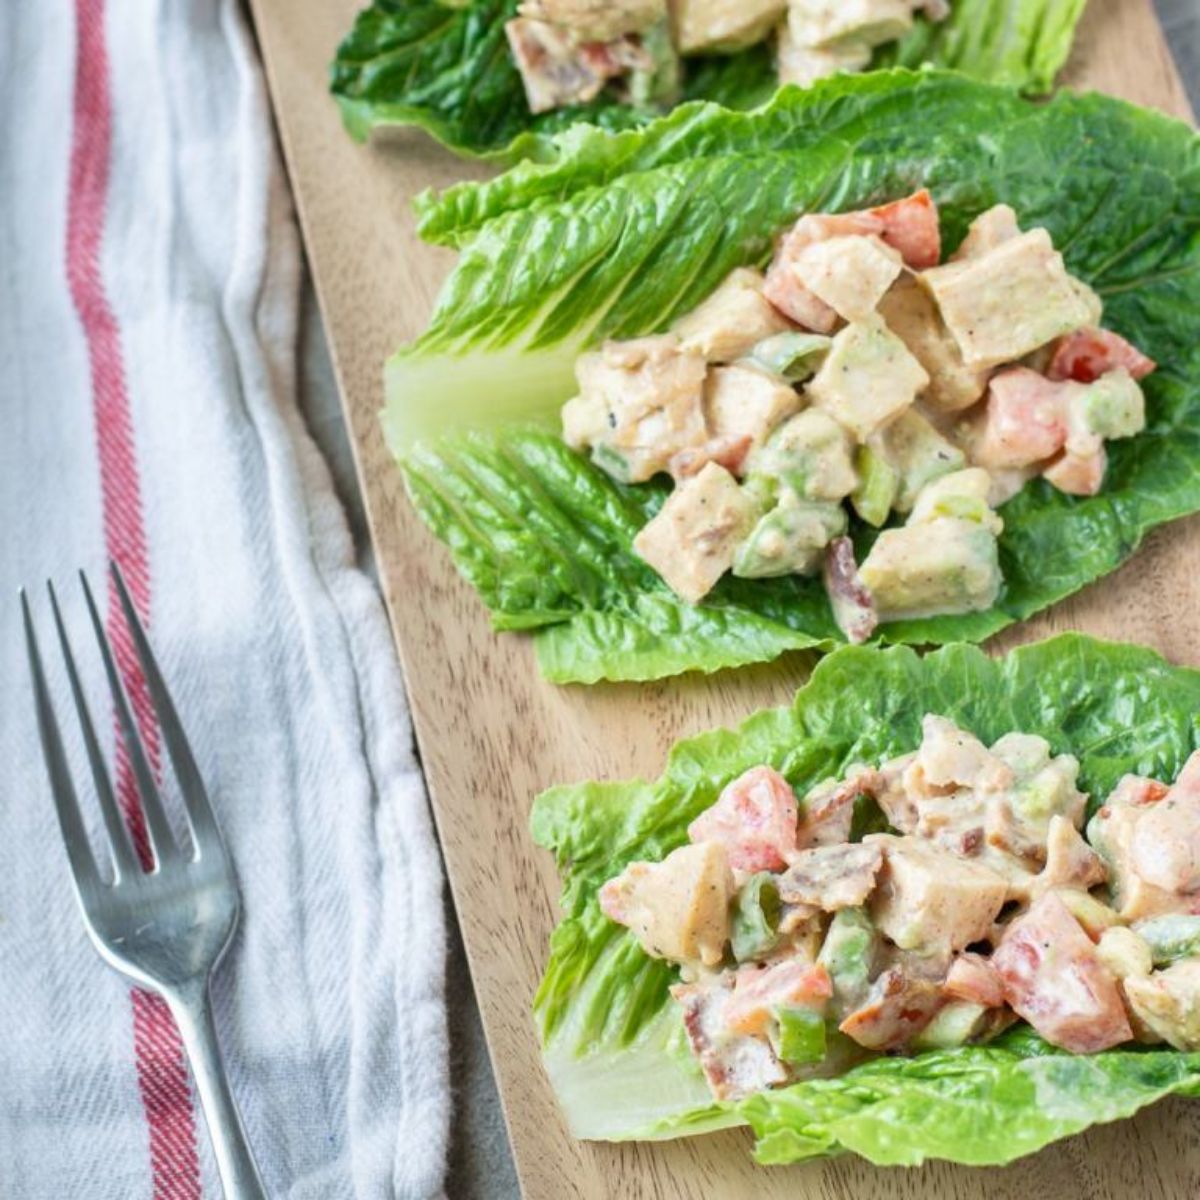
(79, 850)
(206, 834)
(162, 839)
(124, 862)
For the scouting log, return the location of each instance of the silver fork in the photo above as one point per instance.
(165, 928)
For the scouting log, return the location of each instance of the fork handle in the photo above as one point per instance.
(191, 1006)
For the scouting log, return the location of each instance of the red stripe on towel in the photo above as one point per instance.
(161, 1070)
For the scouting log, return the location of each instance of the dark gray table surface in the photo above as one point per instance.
(480, 1162)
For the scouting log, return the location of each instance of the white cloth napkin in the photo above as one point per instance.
(149, 276)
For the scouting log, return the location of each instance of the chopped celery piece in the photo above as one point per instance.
(755, 918)
(878, 484)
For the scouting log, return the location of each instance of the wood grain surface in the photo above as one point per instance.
(492, 733)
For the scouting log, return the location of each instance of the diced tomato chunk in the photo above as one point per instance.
(1087, 354)
(759, 993)
(1025, 421)
(911, 226)
(972, 977)
(1054, 978)
(754, 819)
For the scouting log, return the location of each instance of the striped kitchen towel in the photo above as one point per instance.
(149, 278)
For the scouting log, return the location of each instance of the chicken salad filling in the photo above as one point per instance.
(568, 51)
(926, 903)
(861, 373)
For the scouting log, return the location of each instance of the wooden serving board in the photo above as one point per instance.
(492, 733)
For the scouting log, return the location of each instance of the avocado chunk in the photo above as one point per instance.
(962, 494)
(848, 954)
(878, 483)
(868, 378)
(944, 565)
(1112, 407)
(790, 539)
(810, 453)
(1171, 937)
(755, 926)
(919, 455)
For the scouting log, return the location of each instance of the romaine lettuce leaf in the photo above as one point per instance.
(446, 67)
(603, 1004)
(621, 233)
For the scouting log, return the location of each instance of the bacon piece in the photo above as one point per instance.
(832, 877)
(898, 1006)
(853, 606)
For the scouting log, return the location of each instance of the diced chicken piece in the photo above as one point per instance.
(918, 454)
(1054, 978)
(992, 227)
(1137, 791)
(760, 992)
(811, 453)
(742, 401)
(1078, 474)
(868, 378)
(1019, 820)
(1165, 847)
(754, 818)
(1025, 420)
(963, 494)
(945, 565)
(1124, 953)
(1087, 354)
(735, 1066)
(896, 1009)
(911, 226)
(728, 451)
(828, 22)
(557, 69)
(950, 757)
(912, 315)
(1169, 1003)
(931, 900)
(831, 877)
(1070, 861)
(804, 65)
(783, 287)
(891, 793)
(732, 320)
(828, 809)
(597, 20)
(639, 403)
(704, 25)
(849, 274)
(677, 908)
(852, 602)
(1151, 842)
(972, 977)
(692, 540)
(1009, 301)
